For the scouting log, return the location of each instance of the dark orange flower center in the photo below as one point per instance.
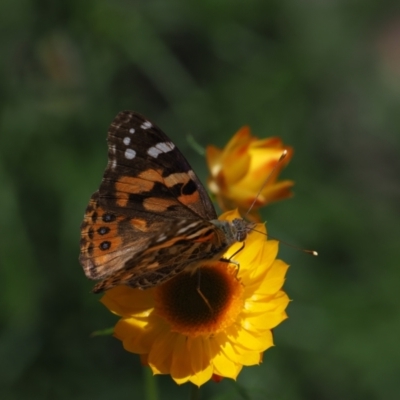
(204, 302)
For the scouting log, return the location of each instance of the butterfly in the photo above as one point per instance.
(151, 217)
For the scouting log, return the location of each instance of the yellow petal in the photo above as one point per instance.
(268, 316)
(274, 279)
(226, 347)
(226, 368)
(160, 355)
(240, 138)
(235, 166)
(200, 353)
(213, 156)
(138, 335)
(250, 358)
(223, 366)
(246, 339)
(181, 359)
(258, 270)
(277, 191)
(201, 377)
(125, 301)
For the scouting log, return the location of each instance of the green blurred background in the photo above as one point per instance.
(323, 75)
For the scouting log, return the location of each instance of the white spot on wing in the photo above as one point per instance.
(161, 238)
(187, 227)
(159, 148)
(146, 125)
(131, 130)
(112, 161)
(130, 154)
(127, 140)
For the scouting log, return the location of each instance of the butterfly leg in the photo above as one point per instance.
(201, 293)
(230, 261)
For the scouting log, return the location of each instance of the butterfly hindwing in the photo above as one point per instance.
(109, 240)
(179, 246)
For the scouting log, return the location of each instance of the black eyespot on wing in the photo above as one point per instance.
(105, 245)
(103, 230)
(107, 217)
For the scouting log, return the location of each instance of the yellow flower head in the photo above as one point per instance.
(176, 332)
(240, 169)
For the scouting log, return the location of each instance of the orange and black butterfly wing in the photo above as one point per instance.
(150, 206)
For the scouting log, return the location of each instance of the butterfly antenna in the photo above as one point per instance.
(267, 179)
(312, 252)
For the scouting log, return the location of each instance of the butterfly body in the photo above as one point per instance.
(151, 217)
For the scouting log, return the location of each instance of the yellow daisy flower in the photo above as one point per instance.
(240, 169)
(175, 332)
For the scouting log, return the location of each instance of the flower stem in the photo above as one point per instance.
(150, 385)
(199, 149)
(194, 392)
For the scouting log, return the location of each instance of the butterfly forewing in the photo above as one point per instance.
(146, 172)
